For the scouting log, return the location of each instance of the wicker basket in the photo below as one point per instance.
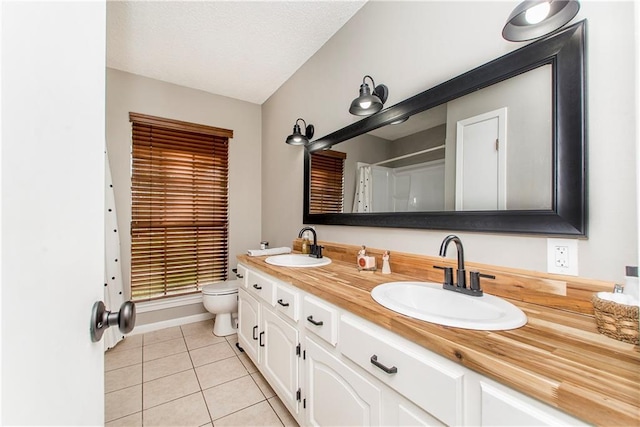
(615, 320)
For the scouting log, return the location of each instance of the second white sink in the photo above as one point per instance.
(428, 301)
(297, 260)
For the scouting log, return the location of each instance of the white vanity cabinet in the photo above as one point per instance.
(331, 368)
(269, 338)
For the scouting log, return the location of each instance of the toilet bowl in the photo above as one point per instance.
(221, 299)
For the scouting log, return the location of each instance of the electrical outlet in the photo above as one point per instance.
(562, 256)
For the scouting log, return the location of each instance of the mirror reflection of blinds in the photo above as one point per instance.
(179, 207)
(327, 182)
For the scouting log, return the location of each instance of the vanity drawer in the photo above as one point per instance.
(261, 286)
(242, 274)
(287, 302)
(321, 319)
(434, 386)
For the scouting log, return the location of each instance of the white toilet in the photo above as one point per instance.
(221, 299)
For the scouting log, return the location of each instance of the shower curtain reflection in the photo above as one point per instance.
(362, 202)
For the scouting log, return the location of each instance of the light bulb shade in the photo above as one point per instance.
(522, 26)
(368, 103)
(297, 138)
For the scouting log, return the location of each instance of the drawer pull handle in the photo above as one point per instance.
(255, 329)
(282, 303)
(391, 370)
(317, 323)
(261, 335)
(256, 286)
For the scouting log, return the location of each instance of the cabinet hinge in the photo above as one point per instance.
(299, 394)
(298, 350)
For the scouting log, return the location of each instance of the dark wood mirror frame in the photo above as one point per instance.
(565, 51)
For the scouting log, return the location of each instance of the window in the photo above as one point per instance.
(179, 207)
(327, 182)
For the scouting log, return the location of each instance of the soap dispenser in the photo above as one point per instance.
(306, 246)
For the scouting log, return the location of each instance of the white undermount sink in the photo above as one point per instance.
(430, 302)
(297, 260)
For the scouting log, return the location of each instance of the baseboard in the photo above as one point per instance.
(150, 327)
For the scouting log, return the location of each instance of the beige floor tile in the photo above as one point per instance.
(121, 403)
(248, 364)
(282, 412)
(120, 359)
(162, 335)
(122, 378)
(197, 328)
(134, 420)
(211, 353)
(263, 385)
(220, 372)
(130, 342)
(158, 368)
(260, 414)
(202, 340)
(163, 349)
(169, 388)
(232, 396)
(187, 411)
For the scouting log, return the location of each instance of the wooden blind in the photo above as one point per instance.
(327, 182)
(179, 214)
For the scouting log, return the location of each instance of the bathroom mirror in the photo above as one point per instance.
(423, 176)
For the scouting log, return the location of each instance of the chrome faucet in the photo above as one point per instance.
(461, 276)
(315, 250)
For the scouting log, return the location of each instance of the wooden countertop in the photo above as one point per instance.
(558, 357)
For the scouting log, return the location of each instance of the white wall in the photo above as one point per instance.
(131, 93)
(411, 46)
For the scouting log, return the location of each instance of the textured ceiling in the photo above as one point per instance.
(240, 49)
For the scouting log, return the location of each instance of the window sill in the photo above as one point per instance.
(163, 304)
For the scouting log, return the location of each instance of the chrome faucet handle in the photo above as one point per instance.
(448, 274)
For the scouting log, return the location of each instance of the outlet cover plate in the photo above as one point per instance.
(562, 256)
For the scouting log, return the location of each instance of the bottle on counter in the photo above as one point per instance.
(306, 245)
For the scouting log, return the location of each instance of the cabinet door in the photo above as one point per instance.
(336, 395)
(280, 357)
(504, 407)
(398, 411)
(249, 325)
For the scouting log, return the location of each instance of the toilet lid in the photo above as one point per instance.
(221, 288)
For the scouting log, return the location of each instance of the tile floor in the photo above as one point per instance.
(186, 376)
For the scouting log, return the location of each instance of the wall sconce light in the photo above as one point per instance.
(368, 103)
(533, 19)
(297, 138)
